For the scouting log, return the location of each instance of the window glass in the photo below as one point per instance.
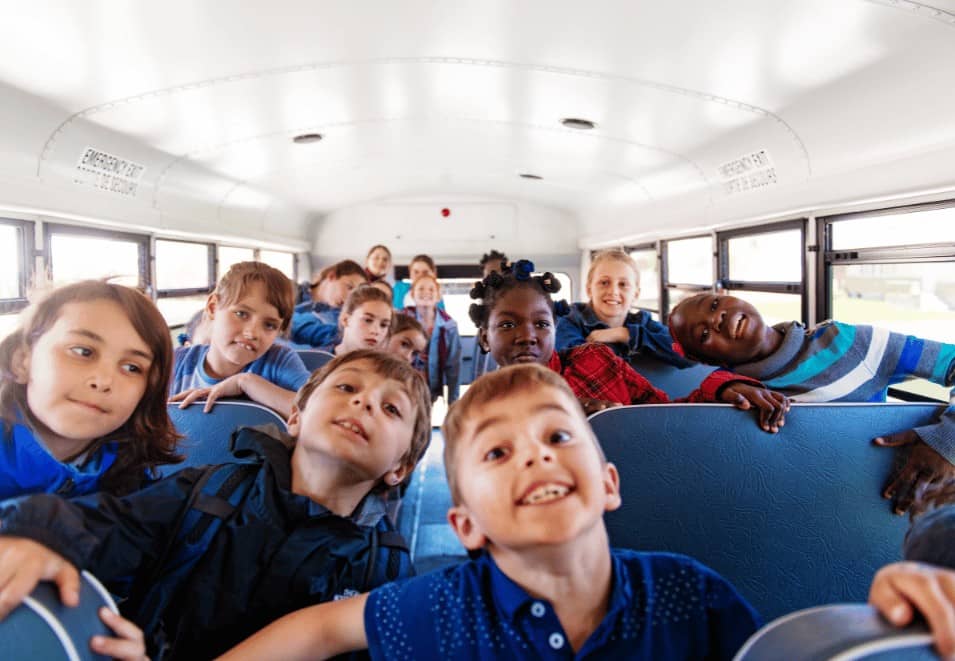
(929, 226)
(674, 296)
(766, 257)
(178, 310)
(914, 298)
(8, 323)
(229, 256)
(181, 265)
(283, 261)
(10, 262)
(79, 257)
(773, 308)
(690, 261)
(649, 269)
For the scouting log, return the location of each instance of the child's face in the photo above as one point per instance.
(418, 269)
(367, 326)
(360, 418)
(520, 328)
(408, 344)
(333, 291)
(425, 292)
(378, 261)
(612, 290)
(87, 373)
(723, 330)
(242, 331)
(529, 474)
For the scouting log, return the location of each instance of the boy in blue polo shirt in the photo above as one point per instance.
(530, 485)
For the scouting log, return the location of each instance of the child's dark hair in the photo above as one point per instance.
(279, 290)
(493, 256)
(405, 322)
(513, 276)
(427, 260)
(931, 537)
(340, 270)
(390, 367)
(363, 294)
(148, 438)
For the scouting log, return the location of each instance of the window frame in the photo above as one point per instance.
(691, 288)
(25, 275)
(656, 247)
(799, 287)
(210, 271)
(143, 241)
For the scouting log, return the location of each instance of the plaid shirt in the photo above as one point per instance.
(594, 371)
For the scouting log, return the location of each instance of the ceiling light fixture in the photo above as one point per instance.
(307, 138)
(577, 123)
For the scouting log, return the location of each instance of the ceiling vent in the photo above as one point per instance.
(578, 124)
(528, 175)
(109, 173)
(307, 138)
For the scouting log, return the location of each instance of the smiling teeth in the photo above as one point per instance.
(351, 427)
(545, 493)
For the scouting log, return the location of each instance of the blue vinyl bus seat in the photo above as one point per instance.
(313, 358)
(672, 380)
(206, 436)
(43, 628)
(793, 520)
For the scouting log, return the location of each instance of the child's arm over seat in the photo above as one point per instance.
(318, 632)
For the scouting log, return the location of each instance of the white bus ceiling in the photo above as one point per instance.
(426, 105)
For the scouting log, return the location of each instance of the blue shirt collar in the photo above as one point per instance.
(513, 600)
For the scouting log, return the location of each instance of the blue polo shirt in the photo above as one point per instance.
(279, 365)
(662, 606)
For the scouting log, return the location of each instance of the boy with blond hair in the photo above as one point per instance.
(530, 485)
(295, 519)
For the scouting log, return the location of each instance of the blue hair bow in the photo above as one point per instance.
(523, 269)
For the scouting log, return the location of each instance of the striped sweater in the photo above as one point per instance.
(837, 362)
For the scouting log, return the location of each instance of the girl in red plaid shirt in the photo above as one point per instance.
(516, 319)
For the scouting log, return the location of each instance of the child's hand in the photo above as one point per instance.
(24, 563)
(594, 405)
(923, 467)
(230, 387)
(609, 335)
(903, 587)
(128, 643)
(772, 405)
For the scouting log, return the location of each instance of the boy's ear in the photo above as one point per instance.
(294, 420)
(20, 365)
(211, 304)
(611, 480)
(482, 340)
(466, 528)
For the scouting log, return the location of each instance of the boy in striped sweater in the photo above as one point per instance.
(833, 362)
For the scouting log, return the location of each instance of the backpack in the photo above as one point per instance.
(218, 493)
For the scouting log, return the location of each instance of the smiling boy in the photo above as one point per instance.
(833, 362)
(530, 485)
(307, 529)
(251, 306)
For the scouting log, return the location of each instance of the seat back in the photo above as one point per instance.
(43, 628)
(844, 631)
(794, 519)
(313, 358)
(206, 436)
(672, 380)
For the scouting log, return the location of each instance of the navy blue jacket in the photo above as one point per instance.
(647, 336)
(279, 551)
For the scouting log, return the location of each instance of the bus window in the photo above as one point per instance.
(10, 263)
(283, 261)
(77, 254)
(183, 278)
(688, 265)
(880, 271)
(649, 267)
(229, 255)
(765, 266)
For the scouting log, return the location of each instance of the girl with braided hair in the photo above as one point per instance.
(516, 319)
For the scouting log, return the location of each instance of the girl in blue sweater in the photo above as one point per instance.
(83, 385)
